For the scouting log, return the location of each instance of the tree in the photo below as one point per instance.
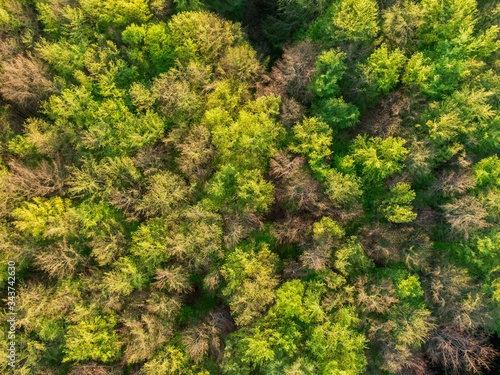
(313, 139)
(92, 338)
(487, 172)
(331, 67)
(355, 20)
(397, 208)
(378, 158)
(196, 241)
(172, 361)
(249, 142)
(342, 189)
(24, 82)
(326, 236)
(400, 23)
(251, 279)
(383, 68)
(196, 154)
(44, 180)
(459, 352)
(298, 332)
(117, 12)
(337, 113)
(149, 244)
(243, 192)
(44, 218)
(351, 259)
(465, 215)
(291, 75)
(202, 37)
(166, 193)
(295, 188)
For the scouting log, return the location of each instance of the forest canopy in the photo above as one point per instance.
(250, 187)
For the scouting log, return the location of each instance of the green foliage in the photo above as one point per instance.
(166, 192)
(149, 244)
(313, 139)
(201, 36)
(463, 119)
(397, 208)
(383, 68)
(118, 13)
(487, 172)
(245, 191)
(184, 195)
(297, 329)
(330, 67)
(93, 338)
(251, 279)
(171, 360)
(341, 188)
(351, 259)
(150, 42)
(65, 58)
(355, 20)
(378, 158)
(124, 278)
(337, 113)
(250, 140)
(44, 218)
(487, 255)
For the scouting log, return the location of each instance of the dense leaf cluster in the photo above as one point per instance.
(251, 187)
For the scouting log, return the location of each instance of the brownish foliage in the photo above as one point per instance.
(293, 230)
(465, 215)
(24, 82)
(461, 352)
(238, 226)
(291, 74)
(295, 188)
(59, 261)
(151, 160)
(206, 338)
(453, 183)
(291, 111)
(44, 180)
(381, 243)
(385, 120)
(174, 280)
(292, 269)
(196, 154)
(316, 258)
(375, 298)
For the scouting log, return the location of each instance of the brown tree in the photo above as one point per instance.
(465, 216)
(46, 179)
(196, 154)
(461, 352)
(291, 75)
(295, 188)
(24, 82)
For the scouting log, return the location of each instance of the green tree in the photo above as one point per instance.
(252, 138)
(313, 139)
(166, 193)
(93, 338)
(297, 329)
(330, 66)
(378, 158)
(383, 68)
(251, 280)
(397, 208)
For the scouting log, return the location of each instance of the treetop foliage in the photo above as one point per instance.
(250, 187)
